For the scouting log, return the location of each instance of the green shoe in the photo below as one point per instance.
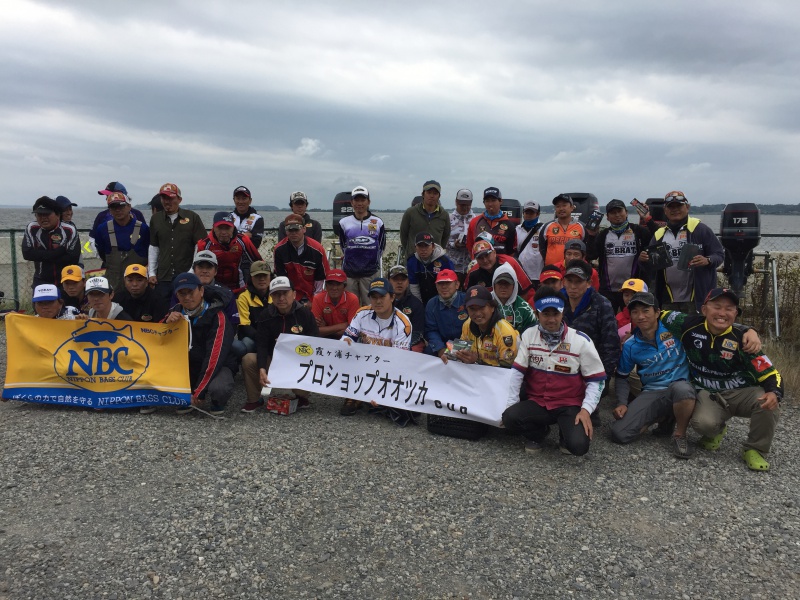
(754, 460)
(713, 443)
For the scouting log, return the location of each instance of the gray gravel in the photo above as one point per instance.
(121, 505)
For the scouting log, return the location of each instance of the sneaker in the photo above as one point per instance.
(665, 427)
(563, 449)
(754, 460)
(252, 406)
(713, 443)
(350, 407)
(680, 447)
(216, 412)
(303, 402)
(147, 410)
(531, 446)
(185, 410)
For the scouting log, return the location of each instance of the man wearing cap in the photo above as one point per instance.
(334, 307)
(65, 204)
(410, 305)
(174, 233)
(302, 259)
(247, 221)
(426, 217)
(101, 301)
(121, 241)
(211, 363)
(105, 214)
(50, 244)
(677, 289)
(73, 282)
(234, 251)
(363, 239)
(204, 266)
(154, 204)
(562, 378)
(626, 291)
(493, 341)
(47, 304)
(733, 377)
(251, 302)
(298, 202)
(513, 308)
(460, 219)
(527, 254)
(576, 250)
(660, 361)
(445, 314)
(487, 261)
(617, 250)
(551, 276)
(428, 259)
(555, 234)
(137, 298)
(283, 315)
(494, 222)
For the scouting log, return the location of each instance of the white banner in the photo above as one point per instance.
(396, 378)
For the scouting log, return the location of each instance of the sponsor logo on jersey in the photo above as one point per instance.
(761, 363)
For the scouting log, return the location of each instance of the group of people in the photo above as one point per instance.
(476, 288)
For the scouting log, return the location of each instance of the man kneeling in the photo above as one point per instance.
(563, 377)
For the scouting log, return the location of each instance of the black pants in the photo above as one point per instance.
(532, 420)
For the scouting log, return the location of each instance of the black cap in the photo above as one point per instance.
(723, 293)
(615, 204)
(565, 198)
(642, 298)
(423, 237)
(478, 295)
(492, 192)
(580, 268)
(575, 245)
(242, 190)
(155, 202)
(46, 205)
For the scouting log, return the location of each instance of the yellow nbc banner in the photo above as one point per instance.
(97, 364)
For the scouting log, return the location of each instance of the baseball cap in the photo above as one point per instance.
(46, 205)
(280, 284)
(98, 284)
(155, 202)
(531, 205)
(398, 270)
(506, 276)
(45, 292)
(486, 236)
(336, 275)
(492, 192)
(464, 195)
(224, 219)
(72, 273)
(114, 186)
(298, 197)
(242, 190)
(556, 302)
(260, 267)
(380, 285)
(634, 285)
(575, 245)
(205, 256)
(171, 190)
(675, 196)
(481, 248)
(579, 268)
(431, 184)
(550, 272)
(423, 237)
(186, 281)
(294, 222)
(136, 270)
(64, 202)
(642, 298)
(117, 198)
(360, 191)
(615, 204)
(723, 293)
(478, 295)
(446, 275)
(563, 198)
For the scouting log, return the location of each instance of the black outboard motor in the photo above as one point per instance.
(513, 210)
(740, 233)
(342, 207)
(585, 205)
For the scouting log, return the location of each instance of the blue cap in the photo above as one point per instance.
(114, 186)
(492, 192)
(64, 203)
(381, 285)
(550, 302)
(185, 281)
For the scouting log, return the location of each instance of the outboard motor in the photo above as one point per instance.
(416, 200)
(585, 205)
(513, 210)
(740, 234)
(342, 207)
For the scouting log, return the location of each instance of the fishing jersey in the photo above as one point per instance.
(362, 241)
(658, 362)
(717, 362)
(251, 222)
(503, 230)
(618, 255)
(518, 313)
(367, 328)
(498, 347)
(553, 237)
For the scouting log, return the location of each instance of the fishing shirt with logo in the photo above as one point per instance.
(620, 253)
(717, 362)
(497, 347)
(362, 241)
(270, 324)
(175, 237)
(553, 237)
(658, 362)
(367, 328)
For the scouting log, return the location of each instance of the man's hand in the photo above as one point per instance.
(768, 401)
(585, 419)
(751, 343)
(81, 317)
(349, 341)
(262, 377)
(620, 411)
(644, 256)
(152, 280)
(469, 357)
(320, 321)
(173, 317)
(700, 261)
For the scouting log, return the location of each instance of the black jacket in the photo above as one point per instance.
(412, 307)
(594, 316)
(271, 324)
(146, 308)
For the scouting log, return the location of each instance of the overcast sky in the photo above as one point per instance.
(617, 98)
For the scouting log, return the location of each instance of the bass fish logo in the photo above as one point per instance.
(98, 357)
(304, 350)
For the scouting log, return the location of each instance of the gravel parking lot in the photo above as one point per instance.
(122, 505)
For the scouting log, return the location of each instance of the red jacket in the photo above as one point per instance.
(298, 267)
(230, 258)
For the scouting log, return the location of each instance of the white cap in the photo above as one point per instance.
(280, 284)
(360, 191)
(530, 204)
(98, 284)
(205, 256)
(45, 292)
(464, 195)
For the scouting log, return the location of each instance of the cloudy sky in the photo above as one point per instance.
(617, 98)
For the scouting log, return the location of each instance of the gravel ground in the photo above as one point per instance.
(122, 505)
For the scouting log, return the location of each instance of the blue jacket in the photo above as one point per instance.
(443, 323)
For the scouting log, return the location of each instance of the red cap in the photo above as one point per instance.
(446, 275)
(336, 275)
(171, 190)
(550, 274)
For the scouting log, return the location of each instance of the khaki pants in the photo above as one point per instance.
(711, 415)
(360, 287)
(252, 380)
